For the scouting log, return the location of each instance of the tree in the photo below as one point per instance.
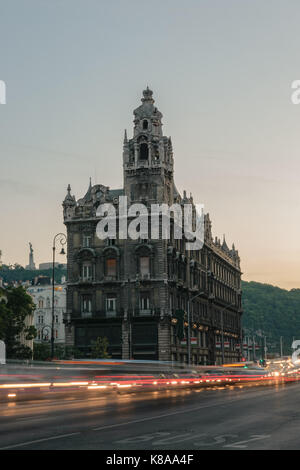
(272, 312)
(15, 306)
(99, 348)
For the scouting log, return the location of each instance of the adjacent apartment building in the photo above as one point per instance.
(42, 296)
(137, 292)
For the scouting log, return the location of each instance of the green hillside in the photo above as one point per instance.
(9, 274)
(271, 311)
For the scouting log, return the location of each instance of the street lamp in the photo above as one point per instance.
(61, 237)
(189, 330)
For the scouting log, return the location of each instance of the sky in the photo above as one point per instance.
(221, 73)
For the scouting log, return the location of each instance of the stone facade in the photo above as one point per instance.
(132, 290)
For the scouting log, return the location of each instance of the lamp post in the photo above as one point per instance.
(61, 237)
(189, 326)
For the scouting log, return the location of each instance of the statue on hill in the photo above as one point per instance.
(31, 264)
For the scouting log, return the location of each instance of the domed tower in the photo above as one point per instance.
(148, 156)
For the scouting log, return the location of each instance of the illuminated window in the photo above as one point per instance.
(111, 267)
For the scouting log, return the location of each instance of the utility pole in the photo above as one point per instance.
(63, 240)
(249, 354)
(189, 326)
(281, 346)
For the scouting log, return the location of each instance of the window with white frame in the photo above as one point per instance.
(145, 301)
(86, 242)
(86, 304)
(87, 271)
(111, 303)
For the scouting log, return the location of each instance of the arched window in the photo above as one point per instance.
(145, 124)
(144, 152)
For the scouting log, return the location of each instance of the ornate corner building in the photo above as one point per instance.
(137, 292)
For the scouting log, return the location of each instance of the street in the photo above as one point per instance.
(241, 417)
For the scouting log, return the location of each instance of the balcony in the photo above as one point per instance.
(99, 314)
(111, 314)
(86, 314)
(85, 280)
(110, 278)
(144, 312)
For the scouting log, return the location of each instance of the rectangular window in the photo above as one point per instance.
(86, 304)
(144, 265)
(111, 267)
(87, 271)
(87, 241)
(111, 304)
(145, 303)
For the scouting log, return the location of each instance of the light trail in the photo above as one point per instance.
(227, 376)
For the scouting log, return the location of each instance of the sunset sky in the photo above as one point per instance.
(221, 73)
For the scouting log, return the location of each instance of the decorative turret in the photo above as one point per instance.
(69, 204)
(148, 147)
(147, 118)
(148, 156)
(224, 245)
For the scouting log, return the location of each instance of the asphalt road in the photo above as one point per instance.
(260, 417)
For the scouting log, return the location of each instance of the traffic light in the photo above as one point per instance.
(179, 315)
